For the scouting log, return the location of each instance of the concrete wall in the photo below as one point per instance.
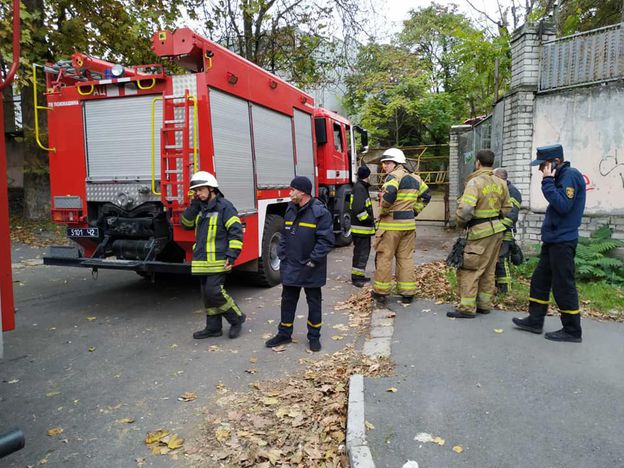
(589, 123)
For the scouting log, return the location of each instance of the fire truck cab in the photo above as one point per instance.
(124, 142)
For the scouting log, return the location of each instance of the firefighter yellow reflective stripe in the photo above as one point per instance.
(538, 301)
(230, 302)
(508, 236)
(310, 225)
(469, 200)
(200, 266)
(485, 230)
(358, 272)
(362, 230)
(406, 286)
(362, 216)
(391, 183)
(315, 325)
(419, 206)
(232, 220)
(287, 325)
(211, 238)
(485, 213)
(572, 312)
(407, 196)
(508, 222)
(468, 301)
(235, 244)
(423, 188)
(409, 225)
(368, 202)
(289, 223)
(514, 202)
(382, 286)
(218, 310)
(187, 222)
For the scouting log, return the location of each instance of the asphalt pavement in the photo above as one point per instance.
(500, 396)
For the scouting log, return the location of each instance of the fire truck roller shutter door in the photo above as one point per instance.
(118, 135)
(231, 136)
(304, 147)
(273, 142)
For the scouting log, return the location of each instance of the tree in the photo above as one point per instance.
(439, 70)
(304, 41)
(117, 30)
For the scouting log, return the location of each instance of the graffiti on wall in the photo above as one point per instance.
(588, 123)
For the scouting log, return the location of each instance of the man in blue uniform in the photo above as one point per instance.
(306, 240)
(218, 242)
(564, 189)
(362, 226)
(503, 274)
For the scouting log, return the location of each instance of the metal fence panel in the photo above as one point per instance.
(590, 57)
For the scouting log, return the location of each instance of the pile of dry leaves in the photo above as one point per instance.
(37, 233)
(298, 420)
(432, 282)
(360, 307)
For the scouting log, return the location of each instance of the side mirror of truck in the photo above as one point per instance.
(363, 138)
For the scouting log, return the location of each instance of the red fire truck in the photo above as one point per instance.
(124, 142)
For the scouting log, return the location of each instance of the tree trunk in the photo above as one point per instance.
(36, 179)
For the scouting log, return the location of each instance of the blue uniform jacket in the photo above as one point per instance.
(566, 202)
(307, 236)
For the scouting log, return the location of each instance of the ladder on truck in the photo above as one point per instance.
(178, 154)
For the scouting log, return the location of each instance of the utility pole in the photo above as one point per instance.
(7, 306)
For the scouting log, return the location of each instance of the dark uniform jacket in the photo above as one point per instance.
(510, 220)
(307, 236)
(362, 218)
(218, 234)
(565, 193)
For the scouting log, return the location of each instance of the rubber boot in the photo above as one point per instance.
(213, 328)
(235, 321)
(571, 330)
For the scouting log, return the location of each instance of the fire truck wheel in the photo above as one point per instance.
(341, 210)
(269, 262)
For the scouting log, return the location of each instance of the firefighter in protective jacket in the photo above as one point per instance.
(483, 205)
(503, 274)
(362, 226)
(306, 240)
(403, 196)
(218, 242)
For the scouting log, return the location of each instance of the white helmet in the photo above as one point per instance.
(393, 154)
(203, 179)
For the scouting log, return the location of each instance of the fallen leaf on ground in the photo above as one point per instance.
(391, 390)
(51, 394)
(251, 371)
(91, 319)
(155, 436)
(270, 321)
(279, 349)
(423, 437)
(337, 337)
(187, 396)
(458, 449)
(498, 330)
(126, 421)
(253, 360)
(175, 442)
(91, 349)
(270, 401)
(12, 381)
(438, 440)
(390, 314)
(214, 348)
(53, 432)
(369, 425)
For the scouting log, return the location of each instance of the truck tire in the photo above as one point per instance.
(268, 264)
(342, 212)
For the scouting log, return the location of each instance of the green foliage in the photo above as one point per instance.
(592, 260)
(439, 70)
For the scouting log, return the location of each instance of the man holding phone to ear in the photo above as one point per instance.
(564, 189)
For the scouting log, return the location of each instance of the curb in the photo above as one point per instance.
(378, 345)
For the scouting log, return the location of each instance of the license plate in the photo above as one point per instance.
(83, 232)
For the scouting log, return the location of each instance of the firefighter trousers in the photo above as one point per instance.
(217, 302)
(290, 297)
(361, 252)
(399, 245)
(556, 271)
(475, 279)
(503, 272)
